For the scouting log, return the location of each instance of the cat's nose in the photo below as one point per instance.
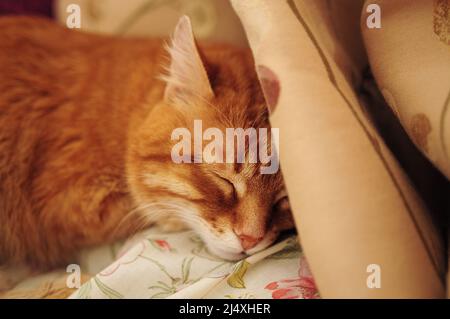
(248, 242)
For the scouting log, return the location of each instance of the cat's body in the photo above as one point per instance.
(77, 134)
(67, 103)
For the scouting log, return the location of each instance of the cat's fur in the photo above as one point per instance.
(85, 127)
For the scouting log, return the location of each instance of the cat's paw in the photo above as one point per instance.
(171, 225)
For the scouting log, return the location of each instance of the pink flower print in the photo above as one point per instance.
(161, 244)
(302, 287)
(164, 245)
(127, 258)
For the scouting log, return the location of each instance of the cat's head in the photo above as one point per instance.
(235, 208)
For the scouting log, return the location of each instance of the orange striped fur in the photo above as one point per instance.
(85, 126)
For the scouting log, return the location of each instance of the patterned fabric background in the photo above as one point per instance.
(211, 20)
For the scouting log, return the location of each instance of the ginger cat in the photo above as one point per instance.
(85, 142)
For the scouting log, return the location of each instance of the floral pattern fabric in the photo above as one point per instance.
(178, 265)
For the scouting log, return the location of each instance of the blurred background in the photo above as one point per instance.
(212, 20)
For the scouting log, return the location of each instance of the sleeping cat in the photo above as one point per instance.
(85, 143)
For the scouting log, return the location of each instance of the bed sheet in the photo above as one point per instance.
(155, 265)
(178, 265)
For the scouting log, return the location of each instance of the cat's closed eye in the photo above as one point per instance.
(228, 187)
(281, 202)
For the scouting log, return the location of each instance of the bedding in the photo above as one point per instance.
(212, 20)
(178, 266)
(154, 264)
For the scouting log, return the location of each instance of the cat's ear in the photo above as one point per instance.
(187, 78)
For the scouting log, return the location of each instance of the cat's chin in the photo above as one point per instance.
(234, 256)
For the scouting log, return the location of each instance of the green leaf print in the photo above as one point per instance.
(176, 283)
(85, 291)
(161, 295)
(107, 291)
(186, 269)
(236, 279)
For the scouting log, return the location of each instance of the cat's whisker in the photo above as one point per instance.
(178, 211)
(136, 213)
(161, 205)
